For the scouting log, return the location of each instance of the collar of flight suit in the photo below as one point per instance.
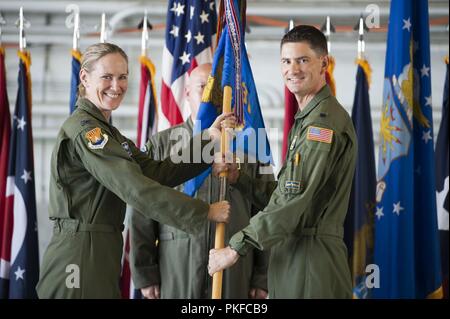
(93, 110)
(323, 93)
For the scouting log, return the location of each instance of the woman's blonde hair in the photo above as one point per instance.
(94, 53)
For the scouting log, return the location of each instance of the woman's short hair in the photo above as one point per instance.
(94, 53)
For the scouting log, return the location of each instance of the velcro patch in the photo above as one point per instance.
(126, 147)
(292, 185)
(319, 134)
(96, 139)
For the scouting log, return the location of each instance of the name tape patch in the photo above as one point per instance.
(292, 185)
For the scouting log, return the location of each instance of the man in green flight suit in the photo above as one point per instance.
(169, 263)
(302, 221)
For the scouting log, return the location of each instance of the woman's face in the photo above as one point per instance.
(107, 83)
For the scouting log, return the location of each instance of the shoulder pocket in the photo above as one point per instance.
(61, 178)
(319, 137)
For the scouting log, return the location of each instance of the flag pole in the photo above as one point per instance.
(2, 22)
(103, 29)
(361, 43)
(76, 31)
(219, 241)
(327, 33)
(144, 35)
(22, 42)
(327, 29)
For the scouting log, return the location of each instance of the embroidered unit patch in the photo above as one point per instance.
(96, 139)
(319, 134)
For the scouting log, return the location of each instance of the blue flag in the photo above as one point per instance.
(75, 80)
(442, 182)
(231, 67)
(19, 270)
(406, 233)
(359, 221)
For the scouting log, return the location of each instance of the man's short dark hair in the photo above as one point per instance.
(309, 34)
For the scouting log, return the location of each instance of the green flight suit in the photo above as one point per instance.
(94, 172)
(177, 261)
(303, 221)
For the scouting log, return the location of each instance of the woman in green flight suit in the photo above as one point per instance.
(95, 172)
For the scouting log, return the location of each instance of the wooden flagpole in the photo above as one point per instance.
(220, 227)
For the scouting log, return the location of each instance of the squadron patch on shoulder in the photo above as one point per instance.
(319, 134)
(96, 139)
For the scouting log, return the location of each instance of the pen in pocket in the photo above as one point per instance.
(297, 159)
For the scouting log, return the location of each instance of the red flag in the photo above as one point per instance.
(290, 108)
(126, 285)
(5, 132)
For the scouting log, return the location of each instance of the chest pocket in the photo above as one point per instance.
(125, 144)
(291, 180)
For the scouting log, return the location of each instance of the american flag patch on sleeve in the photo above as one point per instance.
(319, 134)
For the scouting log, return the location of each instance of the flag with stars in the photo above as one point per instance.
(5, 132)
(442, 182)
(406, 231)
(190, 27)
(19, 264)
(358, 234)
(231, 67)
(75, 80)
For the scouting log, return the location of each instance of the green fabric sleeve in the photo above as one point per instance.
(113, 168)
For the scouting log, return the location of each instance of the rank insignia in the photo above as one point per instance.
(319, 134)
(96, 139)
(126, 147)
(292, 185)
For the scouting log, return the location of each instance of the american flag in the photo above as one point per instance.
(319, 134)
(19, 263)
(190, 27)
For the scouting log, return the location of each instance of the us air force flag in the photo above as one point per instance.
(406, 233)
